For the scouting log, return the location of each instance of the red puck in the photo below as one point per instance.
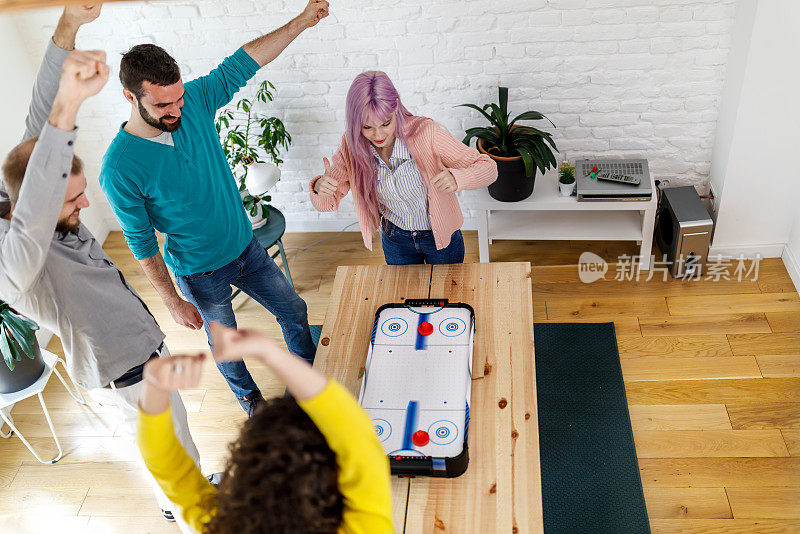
(420, 438)
(425, 328)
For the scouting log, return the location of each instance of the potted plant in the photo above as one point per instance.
(245, 135)
(22, 359)
(566, 178)
(518, 150)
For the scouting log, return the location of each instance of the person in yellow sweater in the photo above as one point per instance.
(310, 464)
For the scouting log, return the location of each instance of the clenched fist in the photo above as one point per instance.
(83, 75)
(445, 181)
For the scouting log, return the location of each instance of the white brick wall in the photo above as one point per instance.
(618, 77)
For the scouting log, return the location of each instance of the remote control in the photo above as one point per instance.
(615, 177)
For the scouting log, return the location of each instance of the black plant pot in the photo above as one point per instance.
(511, 185)
(26, 372)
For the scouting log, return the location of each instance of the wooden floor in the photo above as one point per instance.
(712, 373)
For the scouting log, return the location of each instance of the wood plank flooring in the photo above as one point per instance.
(712, 373)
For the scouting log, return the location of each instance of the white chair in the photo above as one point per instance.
(7, 400)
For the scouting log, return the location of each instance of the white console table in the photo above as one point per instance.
(547, 216)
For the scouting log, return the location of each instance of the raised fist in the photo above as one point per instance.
(83, 75)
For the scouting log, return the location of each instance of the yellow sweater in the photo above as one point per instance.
(363, 465)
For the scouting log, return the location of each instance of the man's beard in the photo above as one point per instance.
(66, 226)
(158, 123)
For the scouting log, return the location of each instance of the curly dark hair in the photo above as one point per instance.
(281, 477)
(147, 63)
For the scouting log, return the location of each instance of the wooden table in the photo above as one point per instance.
(501, 491)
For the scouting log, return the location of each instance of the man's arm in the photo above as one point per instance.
(24, 248)
(46, 85)
(184, 313)
(267, 47)
(216, 88)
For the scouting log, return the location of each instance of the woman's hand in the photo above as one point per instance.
(233, 345)
(172, 373)
(327, 185)
(162, 376)
(445, 182)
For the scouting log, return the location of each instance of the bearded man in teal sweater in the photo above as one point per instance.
(165, 170)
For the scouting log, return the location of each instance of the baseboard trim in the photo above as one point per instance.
(791, 261)
(748, 251)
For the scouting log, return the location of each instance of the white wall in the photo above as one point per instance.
(755, 171)
(791, 254)
(618, 77)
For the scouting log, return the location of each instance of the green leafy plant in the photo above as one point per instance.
(506, 138)
(566, 172)
(17, 338)
(242, 132)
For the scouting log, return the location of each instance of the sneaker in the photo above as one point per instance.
(168, 515)
(249, 405)
(215, 479)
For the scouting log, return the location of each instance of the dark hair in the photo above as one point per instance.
(17, 162)
(147, 62)
(281, 477)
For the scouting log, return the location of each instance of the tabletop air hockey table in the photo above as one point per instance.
(417, 383)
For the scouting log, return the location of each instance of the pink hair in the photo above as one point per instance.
(372, 99)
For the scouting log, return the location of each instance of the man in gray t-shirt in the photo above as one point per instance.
(51, 267)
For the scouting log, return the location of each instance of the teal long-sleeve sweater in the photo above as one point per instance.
(186, 191)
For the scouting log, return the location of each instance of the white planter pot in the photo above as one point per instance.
(258, 221)
(566, 190)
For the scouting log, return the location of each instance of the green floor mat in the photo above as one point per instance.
(590, 475)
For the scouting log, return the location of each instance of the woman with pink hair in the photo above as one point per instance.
(404, 172)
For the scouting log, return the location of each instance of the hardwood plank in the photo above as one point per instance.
(501, 490)
(734, 391)
(779, 365)
(687, 503)
(120, 502)
(122, 524)
(8, 470)
(694, 325)
(539, 310)
(792, 439)
(679, 417)
(764, 415)
(733, 304)
(784, 321)
(82, 474)
(216, 423)
(400, 488)
(720, 472)
(605, 308)
(706, 346)
(76, 449)
(42, 501)
(67, 424)
(30, 523)
(709, 443)
(770, 503)
(773, 277)
(780, 343)
(660, 368)
(724, 526)
(624, 326)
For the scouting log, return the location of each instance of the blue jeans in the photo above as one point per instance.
(404, 247)
(255, 273)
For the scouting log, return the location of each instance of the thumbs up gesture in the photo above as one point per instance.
(327, 184)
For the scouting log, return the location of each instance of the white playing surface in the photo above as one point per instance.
(437, 377)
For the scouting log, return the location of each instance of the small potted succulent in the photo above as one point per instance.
(245, 135)
(518, 150)
(22, 359)
(566, 179)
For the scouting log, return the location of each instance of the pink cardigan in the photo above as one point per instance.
(433, 149)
